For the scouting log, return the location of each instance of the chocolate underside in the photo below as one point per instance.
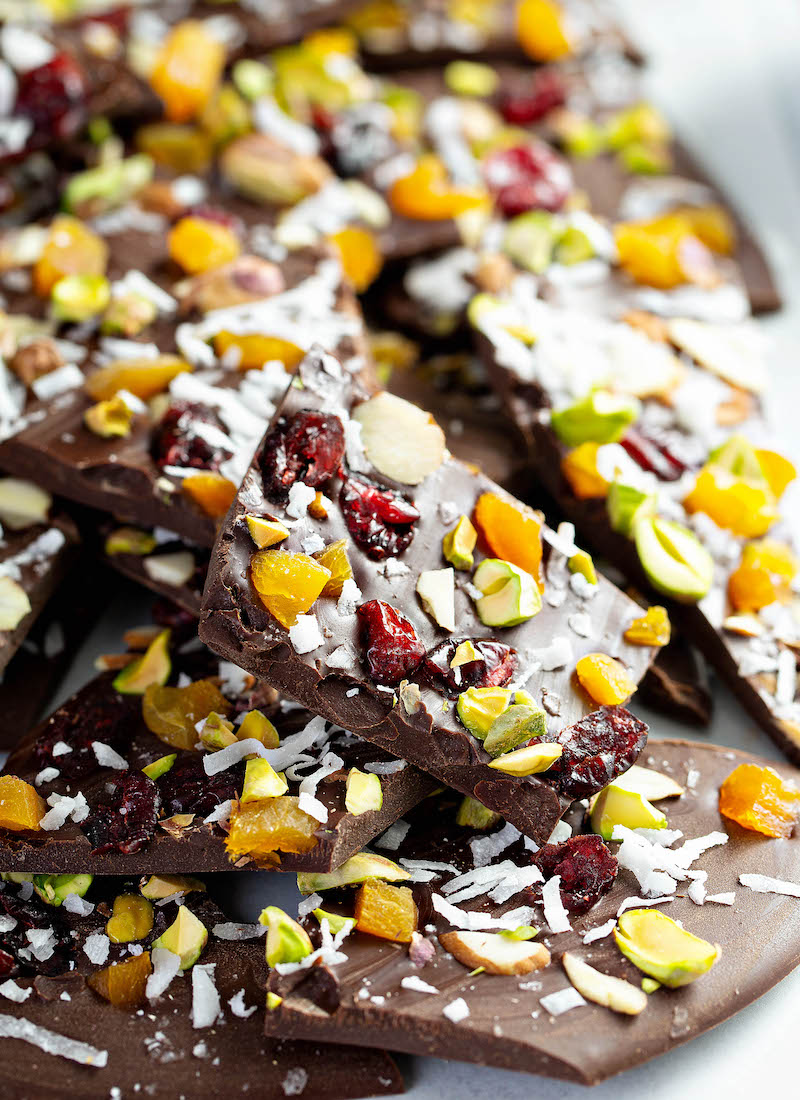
(759, 935)
(156, 1051)
(200, 847)
(236, 625)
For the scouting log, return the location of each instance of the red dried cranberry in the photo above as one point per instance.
(219, 216)
(586, 867)
(380, 520)
(597, 749)
(308, 447)
(391, 646)
(527, 177)
(125, 818)
(493, 667)
(80, 721)
(179, 439)
(54, 97)
(546, 92)
(186, 789)
(655, 454)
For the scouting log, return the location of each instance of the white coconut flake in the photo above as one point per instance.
(641, 903)
(561, 832)
(581, 624)
(233, 681)
(46, 775)
(234, 931)
(697, 889)
(414, 983)
(214, 762)
(600, 932)
(42, 941)
(295, 1081)
(309, 904)
(96, 948)
(722, 899)
(456, 1011)
(73, 903)
(763, 884)
(393, 837)
(306, 635)
(312, 806)
(385, 767)
(220, 813)
(487, 848)
(166, 965)
(206, 1005)
(557, 654)
(562, 1001)
(300, 496)
(238, 1007)
(554, 912)
(108, 757)
(13, 992)
(12, 1027)
(477, 922)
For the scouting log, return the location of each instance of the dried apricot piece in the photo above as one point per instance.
(335, 559)
(776, 557)
(604, 679)
(751, 587)
(212, 492)
(426, 194)
(579, 467)
(21, 807)
(123, 983)
(253, 350)
(171, 713)
(287, 583)
(541, 31)
(742, 507)
(71, 249)
(757, 798)
(187, 69)
(199, 244)
(144, 378)
(359, 253)
(653, 628)
(664, 253)
(386, 911)
(512, 531)
(713, 225)
(260, 829)
(778, 471)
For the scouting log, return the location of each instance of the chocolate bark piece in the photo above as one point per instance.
(676, 684)
(508, 1026)
(329, 676)
(139, 477)
(751, 653)
(99, 712)
(160, 1045)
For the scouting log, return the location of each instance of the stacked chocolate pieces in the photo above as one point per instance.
(406, 687)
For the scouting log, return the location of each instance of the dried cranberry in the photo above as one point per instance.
(654, 454)
(527, 177)
(186, 789)
(82, 720)
(219, 216)
(586, 867)
(380, 520)
(308, 447)
(180, 438)
(546, 92)
(597, 749)
(54, 97)
(493, 667)
(391, 645)
(125, 818)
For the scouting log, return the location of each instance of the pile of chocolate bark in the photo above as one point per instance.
(384, 374)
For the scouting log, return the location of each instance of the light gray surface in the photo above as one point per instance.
(727, 73)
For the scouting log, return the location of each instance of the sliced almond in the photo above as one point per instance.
(401, 440)
(649, 783)
(747, 626)
(14, 604)
(729, 351)
(603, 989)
(436, 589)
(495, 953)
(173, 569)
(22, 504)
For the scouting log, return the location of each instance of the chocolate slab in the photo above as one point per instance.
(507, 1025)
(676, 684)
(236, 625)
(199, 846)
(158, 1051)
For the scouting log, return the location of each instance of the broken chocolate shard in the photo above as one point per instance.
(676, 684)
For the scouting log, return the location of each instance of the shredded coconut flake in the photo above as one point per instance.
(600, 932)
(234, 931)
(393, 837)
(166, 964)
(206, 1005)
(13, 992)
(456, 1011)
(763, 884)
(306, 635)
(416, 984)
(12, 1027)
(96, 948)
(562, 1001)
(238, 1006)
(108, 757)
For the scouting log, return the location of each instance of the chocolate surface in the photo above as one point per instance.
(508, 1027)
(676, 684)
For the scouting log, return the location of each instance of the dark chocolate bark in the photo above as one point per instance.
(676, 684)
(507, 1025)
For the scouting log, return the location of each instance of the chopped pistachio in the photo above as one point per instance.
(266, 532)
(262, 781)
(518, 723)
(128, 315)
(53, 889)
(153, 667)
(509, 595)
(529, 760)
(478, 708)
(14, 603)
(474, 815)
(355, 870)
(662, 948)
(287, 941)
(581, 562)
(160, 767)
(471, 78)
(464, 654)
(164, 886)
(131, 919)
(186, 937)
(363, 792)
(78, 298)
(130, 540)
(336, 922)
(458, 544)
(217, 732)
(109, 419)
(257, 726)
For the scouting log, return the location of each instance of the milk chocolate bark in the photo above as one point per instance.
(395, 698)
(681, 460)
(60, 1036)
(435, 1005)
(172, 834)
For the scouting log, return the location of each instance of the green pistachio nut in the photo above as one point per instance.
(471, 78)
(153, 667)
(582, 563)
(662, 949)
(164, 886)
(257, 726)
(738, 456)
(675, 562)
(478, 708)
(517, 724)
(128, 315)
(574, 246)
(529, 760)
(616, 806)
(77, 298)
(626, 504)
(261, 781)
(287, 941)
(336, 922)
(252, 79)
(510, 596)
(186, 937)
(363, 792)
(530, 239)
(355, 870)
(600, 417)
(458, 544)
(474, 815)
(108, 185)
(54, 888)
(217, 732)
(130, 540)
(160, 767)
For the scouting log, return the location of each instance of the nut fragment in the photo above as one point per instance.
(35, 359)
(603, 989)
(14, 604)
(495, 953)
(266, 171)
(22, 504)
(109, 419)
(401, 440)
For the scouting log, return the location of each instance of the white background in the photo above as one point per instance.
(727, 72)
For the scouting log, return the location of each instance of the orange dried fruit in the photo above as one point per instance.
(144, 378)
(199, 244)
(744, 508)
(605, 679)
(751, 587)
(778, 471)
(252, 351)
(260, 829)
(21, 807)
(287, 583)
(664, 253)
(180, 149)
(776, 557)
(579, 467)
(171, 713)
(335, 559)
(123, 983)
(359, 254)
(426, 194)
(512, 531)
(758, 799)
(187, 69)
(713, 225)
(653, 628)
(71, 249)
(387, 911)
(540, 30)
(212, 492)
